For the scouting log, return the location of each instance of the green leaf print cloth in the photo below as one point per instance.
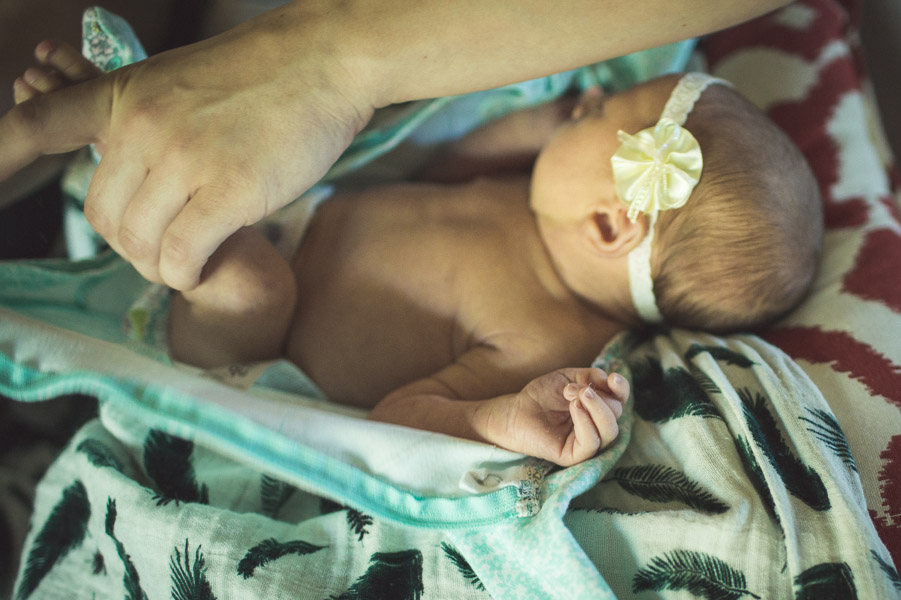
(730, 478)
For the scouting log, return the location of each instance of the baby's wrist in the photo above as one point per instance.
(490, 420)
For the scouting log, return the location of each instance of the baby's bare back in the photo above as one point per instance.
(397, 282)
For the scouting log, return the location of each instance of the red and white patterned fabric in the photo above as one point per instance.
(803, 65)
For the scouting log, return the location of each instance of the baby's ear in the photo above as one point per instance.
(611, 232)
(590, 99)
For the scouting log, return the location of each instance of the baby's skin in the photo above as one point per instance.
(435, 306)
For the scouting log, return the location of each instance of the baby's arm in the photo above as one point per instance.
(565, 416)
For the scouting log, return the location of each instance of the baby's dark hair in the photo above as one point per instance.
(744, 249)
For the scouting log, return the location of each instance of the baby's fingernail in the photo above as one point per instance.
(618, 380)
(45, 49)
(31, 76)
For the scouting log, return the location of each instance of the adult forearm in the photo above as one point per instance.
(410, 49)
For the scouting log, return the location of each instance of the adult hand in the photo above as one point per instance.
(203, 140)
(199, 141)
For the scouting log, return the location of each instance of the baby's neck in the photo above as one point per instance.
(504, 202)
(599, 280)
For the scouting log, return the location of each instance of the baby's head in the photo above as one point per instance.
(744, 247)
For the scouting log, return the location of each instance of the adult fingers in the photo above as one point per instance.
(115, 182)
(147, 217)
(207, 220)
(54, 123)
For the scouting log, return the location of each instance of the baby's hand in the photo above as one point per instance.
(61, 66)
(567, 416)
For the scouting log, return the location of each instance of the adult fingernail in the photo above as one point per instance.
(590, 393)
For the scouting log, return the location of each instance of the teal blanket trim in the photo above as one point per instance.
(88, 296)
(183, 416)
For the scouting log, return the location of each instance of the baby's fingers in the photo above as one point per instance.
(62, 64)
(619, 385)
(603, 414)
(22, 91)
(580, 378)
(586, 440)
(613, 389)
(42, 81)
(66, 60)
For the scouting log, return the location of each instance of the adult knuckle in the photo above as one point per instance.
(144, 115)
(243, 172)
(177, 259)
(241, 203)
(180, 147)
(240, 178)
(177, 250)
(203, 210)
(97, 219)
(134, 243)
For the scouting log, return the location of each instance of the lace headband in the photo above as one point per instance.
(654, 170)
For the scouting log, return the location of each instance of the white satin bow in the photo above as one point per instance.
(657, 168)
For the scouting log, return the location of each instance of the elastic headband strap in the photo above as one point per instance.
(641, 283)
